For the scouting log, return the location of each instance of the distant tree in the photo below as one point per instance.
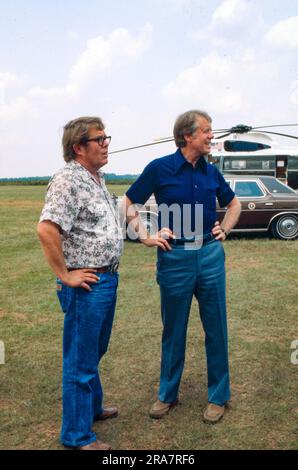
(111, 178)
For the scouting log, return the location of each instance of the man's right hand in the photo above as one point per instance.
(160, 239)
(49, 235)
(80, 278)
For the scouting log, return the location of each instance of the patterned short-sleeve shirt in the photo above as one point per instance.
(91, 234)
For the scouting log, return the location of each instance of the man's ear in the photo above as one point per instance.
(187, 138)
(77, 148)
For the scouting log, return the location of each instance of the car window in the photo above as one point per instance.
(247, 189)
(275, 186)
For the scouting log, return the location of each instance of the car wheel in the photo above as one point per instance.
(285, 227)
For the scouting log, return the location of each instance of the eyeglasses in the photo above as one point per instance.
(101, 139)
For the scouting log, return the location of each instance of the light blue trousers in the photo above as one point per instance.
(181, 274)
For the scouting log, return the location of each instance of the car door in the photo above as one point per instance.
(257, 204)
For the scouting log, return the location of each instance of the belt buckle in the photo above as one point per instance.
(114, 267)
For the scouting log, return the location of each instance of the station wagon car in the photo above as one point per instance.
(267, 206)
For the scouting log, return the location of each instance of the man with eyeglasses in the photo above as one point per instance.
(190, 257)
(82, 240)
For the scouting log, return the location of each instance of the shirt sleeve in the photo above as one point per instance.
(62, 204)
(145, 185)
(224, 192)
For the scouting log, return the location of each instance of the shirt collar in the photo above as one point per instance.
(76, 165)
(179, 160)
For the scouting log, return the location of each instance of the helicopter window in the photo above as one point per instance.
(293, 162)
(275, 186)
(249, 163)
(235, 164)
(248, 189)
(244, 146)
(266, 165)
(238, 164)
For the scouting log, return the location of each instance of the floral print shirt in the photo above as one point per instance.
(91, 234)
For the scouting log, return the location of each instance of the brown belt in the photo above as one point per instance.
(111, 268)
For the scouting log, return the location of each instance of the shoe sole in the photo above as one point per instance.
(208, 421)
(215, 420)
(106, 417)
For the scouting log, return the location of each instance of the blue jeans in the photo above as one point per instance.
(181, 274)
(87, 328)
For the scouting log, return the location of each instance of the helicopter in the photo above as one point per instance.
(248, 150)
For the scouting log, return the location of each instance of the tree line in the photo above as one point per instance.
(110, 178)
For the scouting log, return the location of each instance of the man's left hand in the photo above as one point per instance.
(218, 232)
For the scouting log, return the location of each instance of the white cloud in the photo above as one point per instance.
(38, 92)
(196, 84)
(18, 108)
(10, 80)
(232, 21)
(242, 76)
(177, 4)
(230, 11)
(284, 33)
(223, 85)
(119, 49)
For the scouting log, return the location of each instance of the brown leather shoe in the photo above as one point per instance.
(96, 445)
(159, 409)
(213, 413)
(107, 413)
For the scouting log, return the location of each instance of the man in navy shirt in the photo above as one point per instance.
(190, 256)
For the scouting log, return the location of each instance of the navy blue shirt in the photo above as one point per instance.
(173, 180)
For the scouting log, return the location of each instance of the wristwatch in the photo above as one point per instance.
(223, 230)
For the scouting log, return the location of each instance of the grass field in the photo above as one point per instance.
(262, 305)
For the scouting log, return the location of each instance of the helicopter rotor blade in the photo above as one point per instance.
(160, 139)
(241, 128)
(264, 132)
(141, 146)
(245, 129)
(223, 135)
(275, 125)
(279, 133)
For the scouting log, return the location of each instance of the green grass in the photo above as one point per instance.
(262, 300)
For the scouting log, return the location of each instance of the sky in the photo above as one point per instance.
(138, 64)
